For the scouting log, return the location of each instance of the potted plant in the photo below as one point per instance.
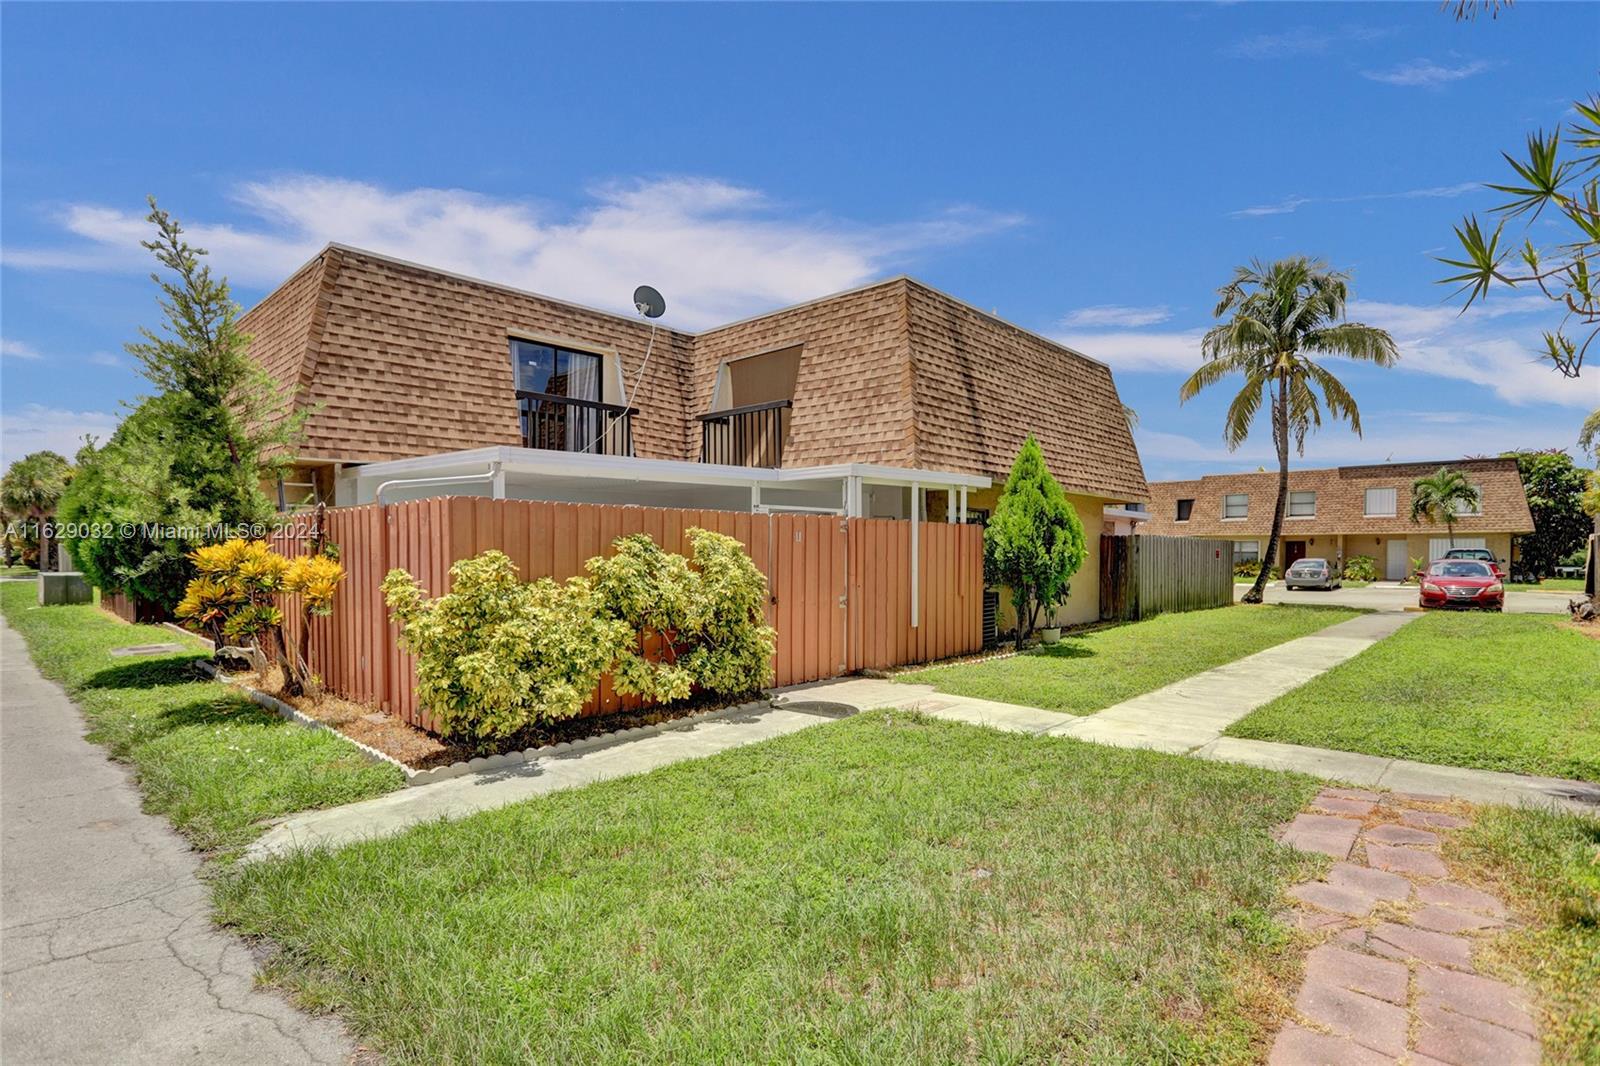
(1050, 632)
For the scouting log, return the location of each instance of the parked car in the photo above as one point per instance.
(1311, 574)
(1463, 583)
(1483, 555)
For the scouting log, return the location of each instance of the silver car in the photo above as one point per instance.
(1311, 574)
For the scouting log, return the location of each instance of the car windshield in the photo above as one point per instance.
(1468, 553)
(1311, 564)
(1459, 568)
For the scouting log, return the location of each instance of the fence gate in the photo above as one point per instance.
(1141, 576)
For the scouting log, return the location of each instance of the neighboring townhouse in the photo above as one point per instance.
(1341, 512)
(883, 401)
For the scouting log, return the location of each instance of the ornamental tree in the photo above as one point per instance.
(1034, 542)
(1554, 485)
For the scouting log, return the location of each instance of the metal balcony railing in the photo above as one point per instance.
(752, 435)
(567, 424)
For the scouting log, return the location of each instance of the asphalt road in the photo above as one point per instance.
(1395, 597)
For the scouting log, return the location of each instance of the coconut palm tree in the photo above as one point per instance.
(1440, 497)
(1281, 319)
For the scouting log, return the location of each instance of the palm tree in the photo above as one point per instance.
(1439, 497)
(1282, 317)
(32, 487)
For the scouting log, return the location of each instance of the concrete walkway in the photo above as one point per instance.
(1189, 716)
(471, 793)
(107, 949)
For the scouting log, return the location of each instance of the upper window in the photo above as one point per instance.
(1380, 503)
(1185, 509)
(1236, 505)
(555, 371)
(1302, 504)
(1475, 505)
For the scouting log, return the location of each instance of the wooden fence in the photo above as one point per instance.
(840, 589)
(1142, 576)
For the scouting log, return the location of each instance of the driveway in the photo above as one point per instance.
(109, 954)
(1385, 596)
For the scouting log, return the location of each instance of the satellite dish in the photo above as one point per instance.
(648, 302)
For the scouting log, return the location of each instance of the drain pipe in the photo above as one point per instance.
(493, 475)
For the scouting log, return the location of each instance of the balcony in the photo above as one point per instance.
(752, 435)
(566, 424)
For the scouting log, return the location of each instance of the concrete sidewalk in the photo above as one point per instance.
(108, 951)
(1189, 716)
(470, 793)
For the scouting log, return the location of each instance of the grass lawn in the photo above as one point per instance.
(1511, 692)
(1546, 867)
(1094, 669)
(885, 888)
(18, 571)
(207, 758)
(1568, 585)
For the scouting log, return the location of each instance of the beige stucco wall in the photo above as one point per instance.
(1329, 547)
(1083, 601)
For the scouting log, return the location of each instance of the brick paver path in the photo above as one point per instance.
(1392, 978)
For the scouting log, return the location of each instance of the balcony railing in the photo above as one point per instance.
(752, 435)
(567, 424)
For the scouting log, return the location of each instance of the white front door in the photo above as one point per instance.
(1397, 562)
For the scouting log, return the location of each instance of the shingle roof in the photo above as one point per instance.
(1341, 500)
(399, 360)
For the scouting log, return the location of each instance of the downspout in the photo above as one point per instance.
(916, 522)
(493, 474)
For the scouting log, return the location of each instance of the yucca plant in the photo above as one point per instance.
(1280, 319)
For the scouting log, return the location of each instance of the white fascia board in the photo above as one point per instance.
(623, 468)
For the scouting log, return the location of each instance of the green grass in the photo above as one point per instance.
(18, 571)
(889, 888)
(1546, 866)
(207, 758)
(1513, 692)
(1549, 584)
(1091, 670)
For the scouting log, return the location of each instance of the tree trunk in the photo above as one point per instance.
(1280, 437)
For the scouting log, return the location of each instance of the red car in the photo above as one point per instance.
(1483, 555)
(1461, 583)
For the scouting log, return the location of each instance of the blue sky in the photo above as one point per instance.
(1092, 172)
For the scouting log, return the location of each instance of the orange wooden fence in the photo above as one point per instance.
(840, 589)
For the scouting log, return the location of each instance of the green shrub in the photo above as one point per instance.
(1034, 543)
(496, 654)
(1250, 568)
(1361, 568)
(704, 624)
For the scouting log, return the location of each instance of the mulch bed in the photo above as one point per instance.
(421, 750)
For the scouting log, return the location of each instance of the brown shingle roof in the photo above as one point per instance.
(401, 360)
(1341, 500)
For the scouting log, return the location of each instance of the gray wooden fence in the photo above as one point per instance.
(1142, 576)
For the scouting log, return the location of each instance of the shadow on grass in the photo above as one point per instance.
(1067, 649)
(148, 673)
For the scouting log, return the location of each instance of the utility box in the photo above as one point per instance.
(56, 589)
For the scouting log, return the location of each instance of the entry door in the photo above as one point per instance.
(1293, 552)
(1397, 561)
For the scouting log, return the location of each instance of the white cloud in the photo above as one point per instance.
(104, 359)
(1493, 345)
(35, 427)
(717, 250)
(1290, 204)
(1390, 436)
(1303, 40)
(18, 350)
(1427, 74)
(1139, 350)
(1117, 315)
